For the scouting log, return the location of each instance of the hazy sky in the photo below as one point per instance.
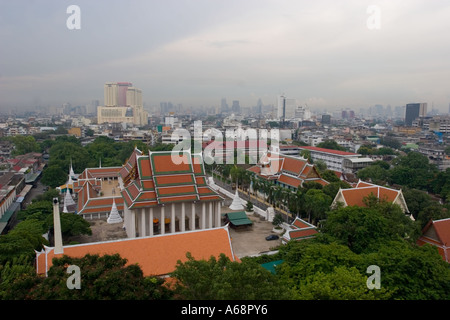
(195, 52)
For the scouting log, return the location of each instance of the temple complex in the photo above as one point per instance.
(165, 192)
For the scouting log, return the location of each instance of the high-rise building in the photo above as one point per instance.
(286, 108)
(414, 111)
(123, 104)
(326, 119)
(223, 105)
(116, 94)
(236, 108)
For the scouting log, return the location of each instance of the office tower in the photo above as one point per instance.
(326, 119)
(133, 97)
(281, 107)
(116, 94)
(123, 104)
(223, 105)
(286, 108)
(236, 108)
(414, 111)
(259, 106)
(122, 93)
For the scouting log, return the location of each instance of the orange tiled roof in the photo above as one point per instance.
(294, 182)
(300, 230)
(355, 196)
(157, 255)
(272, 166)
(170, 181)
(437, 233)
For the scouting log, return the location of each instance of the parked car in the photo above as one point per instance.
(272, 237)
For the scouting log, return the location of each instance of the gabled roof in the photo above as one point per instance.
(289, 170)
(156, 255)
(89, 184)
(299, 230)
(355, 196)
(437, 233)
(164, 177)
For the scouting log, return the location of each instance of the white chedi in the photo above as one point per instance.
(114, 216)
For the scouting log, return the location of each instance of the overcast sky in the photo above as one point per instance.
(195, 52)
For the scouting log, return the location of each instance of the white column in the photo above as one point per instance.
(133, 224)
(192, 224)
(143, 226)
(183, 217)
(218, 216)
(210, 216)
(203, 223)
(151, 221)
(163, 224)
(172, 219)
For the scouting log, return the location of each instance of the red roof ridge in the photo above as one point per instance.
(338, 152)
(156, 261)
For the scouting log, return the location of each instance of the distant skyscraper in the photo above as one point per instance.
(123, 104)
(223, 105)
(286, 108)
(116, 94)
(259, 106)
(236, 108)
(326, 119)
(414, 111)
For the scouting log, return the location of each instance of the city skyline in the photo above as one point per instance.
(324, 54)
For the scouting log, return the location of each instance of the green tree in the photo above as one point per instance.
(320, 165)
(104, 277)
(24, 144)
(435, 211)
(17, 277)
(222, 279)
(417, 201)
(23, 240)
(413, 171)
(330, 144)
(330, 176)
(332, 188)
(391, 142)
(66, 151)
(71, 225)
(441, 184)
(374, 173)
(53, 176)
(359, 228)
(412, 272)
(341, 284)
(316, 204)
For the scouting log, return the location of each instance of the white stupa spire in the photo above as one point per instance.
(237, 202)
(71, 172)
(114, 216)
(68, 200)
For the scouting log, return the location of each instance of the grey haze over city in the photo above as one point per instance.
(322, 53)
